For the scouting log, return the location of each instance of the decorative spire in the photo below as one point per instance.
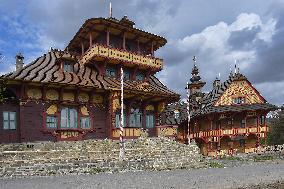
(195, 72)
(110, 10)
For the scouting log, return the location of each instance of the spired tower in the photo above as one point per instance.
(196, 84)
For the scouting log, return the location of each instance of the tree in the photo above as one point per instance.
(276, 134)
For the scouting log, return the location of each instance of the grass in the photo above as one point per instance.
(216, 165)
(262, 158)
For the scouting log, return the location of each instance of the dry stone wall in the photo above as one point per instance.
(93, 156)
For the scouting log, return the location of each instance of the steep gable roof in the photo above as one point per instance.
(45, 69)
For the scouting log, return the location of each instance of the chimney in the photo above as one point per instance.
(19, 61)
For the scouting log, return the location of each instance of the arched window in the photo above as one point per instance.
(135, 118)
(69, 118)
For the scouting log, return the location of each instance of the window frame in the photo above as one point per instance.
(134, 116)
(148, 120)
(239, 100)
(109, 71)
(68, 119)
(89, 122)
(139, 74)
(68, 67)
(8, 121)
(48, 123)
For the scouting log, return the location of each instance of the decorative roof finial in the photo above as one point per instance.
(194, 60)
(110, 10)
(235, 66)
(219, 75)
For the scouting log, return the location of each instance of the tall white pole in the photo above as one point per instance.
(122, 150)
(110, 10)
(188, 113)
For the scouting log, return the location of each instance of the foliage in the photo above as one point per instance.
(276, 134)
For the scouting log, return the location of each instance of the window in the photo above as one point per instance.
(126, 74)
(117, 120)
(176, 114)
(139, 76)
(9, 120)
(243, 123)
(68, 67)
(85, 123)
(110, 72)
(239, 100)
(51, 122)
(150, 121)
(68, 118)
(262, 120)
(242, 143)
(135, 118)
(230, 122)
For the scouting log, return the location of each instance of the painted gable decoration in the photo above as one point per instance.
(241, 91)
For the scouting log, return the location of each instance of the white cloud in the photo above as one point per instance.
(214, 53)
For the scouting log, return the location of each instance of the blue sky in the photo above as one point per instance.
(216, 31)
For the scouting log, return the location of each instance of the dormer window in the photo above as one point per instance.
(239, 100)
(139, 76)
(111, 72)
(68, 67)
(176, 114)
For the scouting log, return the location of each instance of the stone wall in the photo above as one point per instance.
(93, 156)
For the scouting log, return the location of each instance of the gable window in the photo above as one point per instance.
(68, 67)
(51, 122)
(150, 121)
(135, 118)
(85, 123)
(139, 76)
(126, 74)
(110, 72)
(9, 120)
(239, 100)
(69, 118)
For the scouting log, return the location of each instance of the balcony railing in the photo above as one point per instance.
(227, 132)
(98, 51)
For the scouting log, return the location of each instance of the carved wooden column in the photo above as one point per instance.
(107, 37)
(152, 49)
(124, 41)
(82, 48)
(91, 40)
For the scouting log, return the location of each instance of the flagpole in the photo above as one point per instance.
(121, 150)
(188, 114)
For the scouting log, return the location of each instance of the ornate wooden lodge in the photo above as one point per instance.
(75, 94)
(231, 118)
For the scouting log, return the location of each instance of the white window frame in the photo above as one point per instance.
(7, 122)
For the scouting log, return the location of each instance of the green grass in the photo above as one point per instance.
(263, 158)
(216, 165)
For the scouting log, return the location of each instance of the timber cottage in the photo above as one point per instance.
(75, 94)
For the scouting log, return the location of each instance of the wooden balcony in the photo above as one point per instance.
(115, 56)
(227, 132)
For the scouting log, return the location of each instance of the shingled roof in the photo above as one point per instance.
(208, 101)
(46, 70)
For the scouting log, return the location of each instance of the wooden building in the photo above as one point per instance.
(231, 118)
(74, 94)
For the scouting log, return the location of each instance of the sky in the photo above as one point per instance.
(217, 32)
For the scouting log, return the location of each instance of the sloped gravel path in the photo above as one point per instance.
(244, 176)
